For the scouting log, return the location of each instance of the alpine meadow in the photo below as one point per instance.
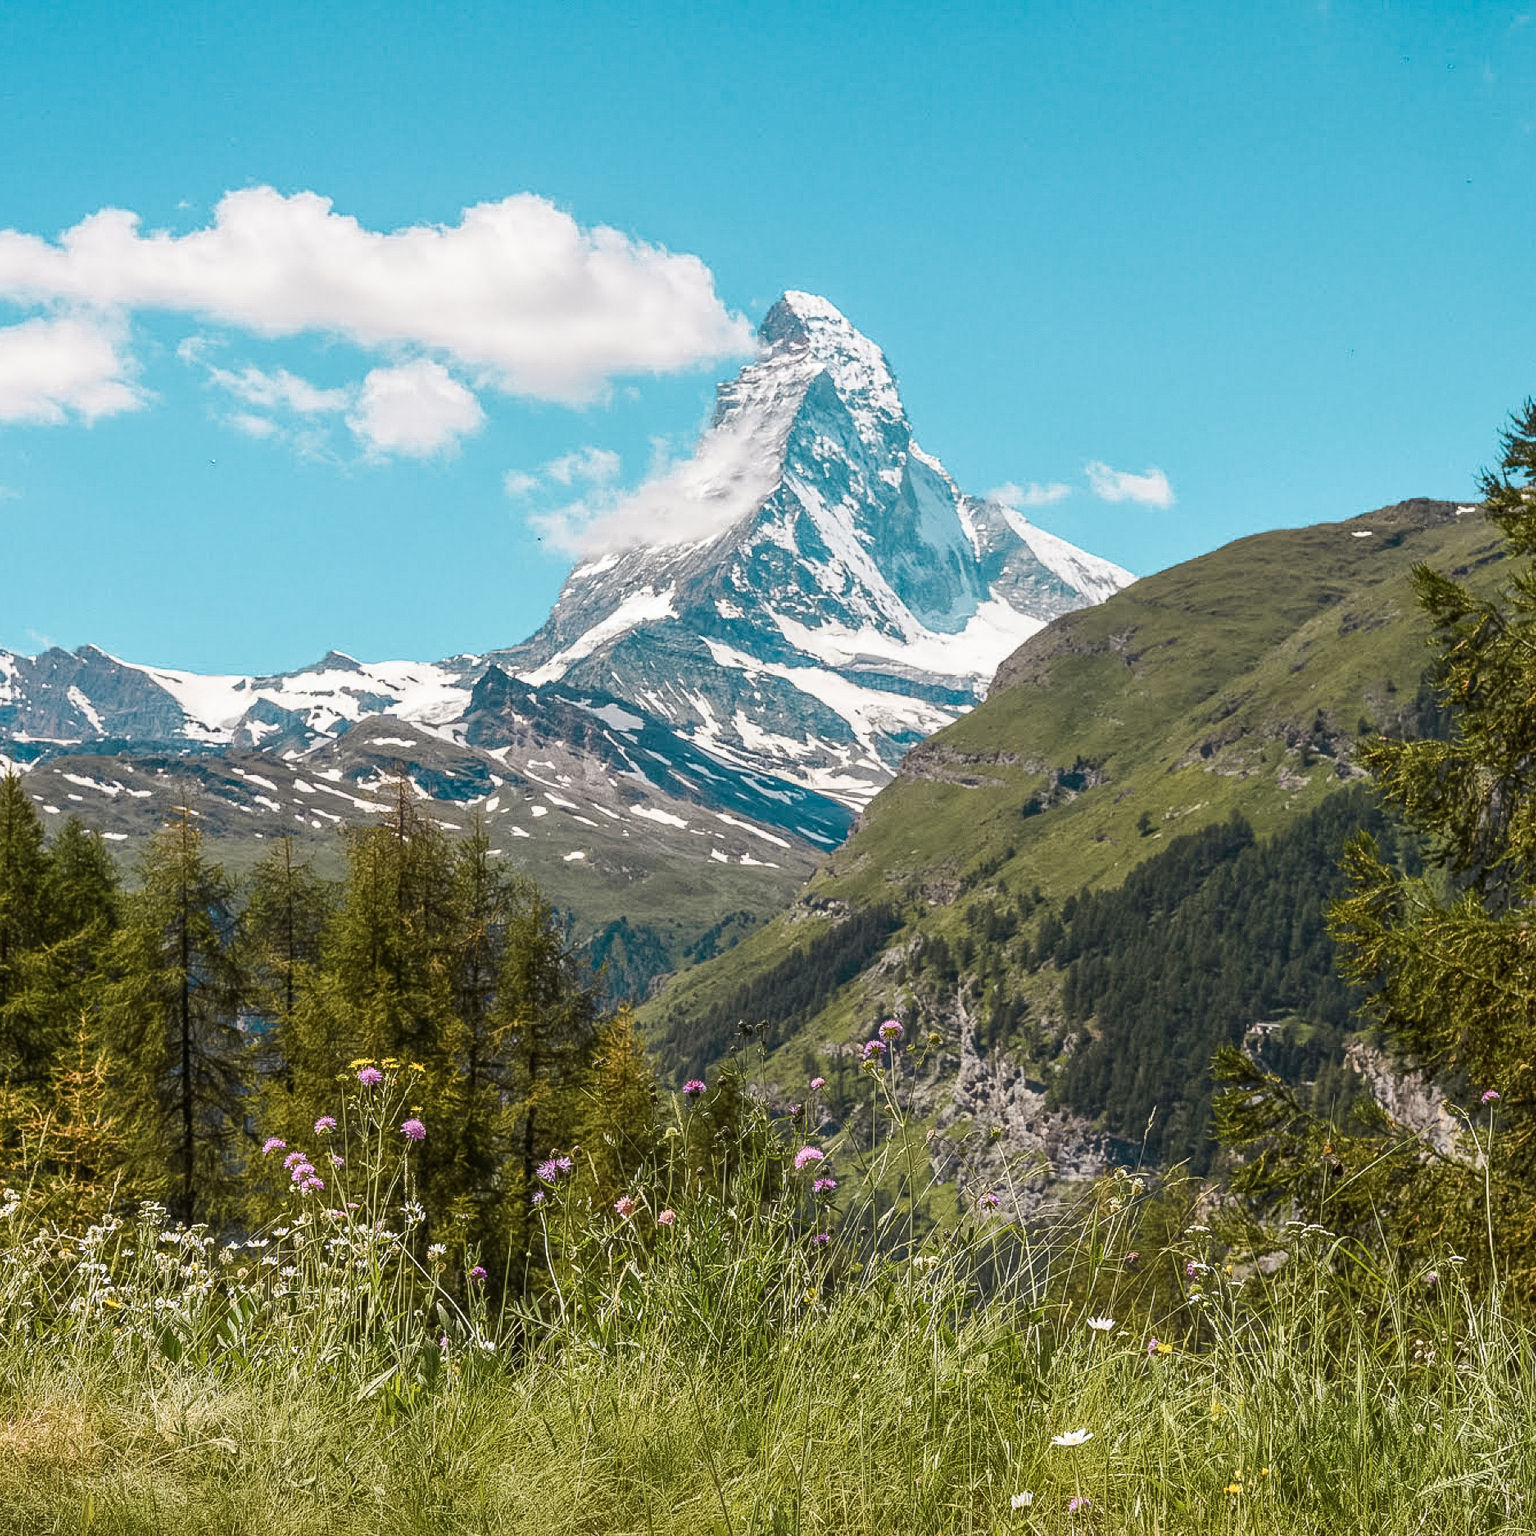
(767, 772)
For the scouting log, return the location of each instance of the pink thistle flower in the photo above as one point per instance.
(313, 1182)
(1079, 1502)
(325, 1123)
(272, 1144)
(539, 1197)
(824, 1186)
(551, 1169)
(301, 1171)
(1490, 1096)
(477, 1273)
(989, 1201)
(807, 1157)
(625, 1207)
(693, 1087)
(414, 1130)
(822, 1239)
(817, 1084)
(370, 1077)
(293, 1160)
(666, 1218)
(891, 1030)
(337, 1160)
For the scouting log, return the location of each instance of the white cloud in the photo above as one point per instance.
(597, 465)
(1150, 489)
(280, 391)
(516, 292)
(730, 473)
(418, 409)
(1031, 495)
(252, 425)
(63, 366)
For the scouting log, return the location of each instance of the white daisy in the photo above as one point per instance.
(1101, 1324)
(1022, 1500)
(1073, 1437)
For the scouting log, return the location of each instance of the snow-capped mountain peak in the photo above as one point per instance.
(831, 596)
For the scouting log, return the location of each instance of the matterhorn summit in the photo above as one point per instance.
(809, 594)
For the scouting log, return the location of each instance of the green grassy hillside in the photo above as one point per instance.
(1237, 683)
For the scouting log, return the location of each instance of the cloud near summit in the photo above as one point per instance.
(516, 296)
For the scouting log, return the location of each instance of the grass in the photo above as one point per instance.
(1191, 694)
(725, 1372)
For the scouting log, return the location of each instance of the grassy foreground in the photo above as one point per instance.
(731, 1351)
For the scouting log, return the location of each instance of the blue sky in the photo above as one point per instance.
(1282, 254)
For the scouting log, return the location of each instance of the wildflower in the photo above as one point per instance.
(1490, 1096)
(552, 1169)
(891, 1030)
(414, 1130)
(1073, 1437)
(370, 1077)
(1233, 1487)
(1079, 1502)
(436, 1250)
(807, 1156)
(337, 1160)
(824, 1186)
(1132, 1259)
(325, 1123)
(293, 1160)
(666, 1218)
(625, 1207)
(694, 1087)
(313, 1182)
(272, 1144)
(300, 1171)
(477, 1273)
(539, 1197)
(1193, 1268)
(1432, 1278)
(1101, 1324)
(442, 1341)
(873, 1048)
(822, 1239)
(988, 1201)
(817, 1084)
(1021, 1500)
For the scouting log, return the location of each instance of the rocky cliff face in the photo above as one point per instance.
(825, 595)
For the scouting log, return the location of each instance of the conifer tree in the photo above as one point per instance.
(23, 929)
(1450, 956)
(172, 1025)
(282, 928)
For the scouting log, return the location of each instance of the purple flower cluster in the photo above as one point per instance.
(873, 1048)
(325, 1124)
(891, 1030)
(414, 1130)
(477, 1273)
(370, 1077)
(553, 1169)
(1490, 1096)
(272, 1144)
(817, 1084)
(989, 1201)
(807, 1157)
(693, 1087)
(824, 1186)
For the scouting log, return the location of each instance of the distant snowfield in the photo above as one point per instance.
(214, 704)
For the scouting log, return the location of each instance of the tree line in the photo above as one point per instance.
(153, 1037)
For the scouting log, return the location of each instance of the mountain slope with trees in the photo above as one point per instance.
(1226, 699)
